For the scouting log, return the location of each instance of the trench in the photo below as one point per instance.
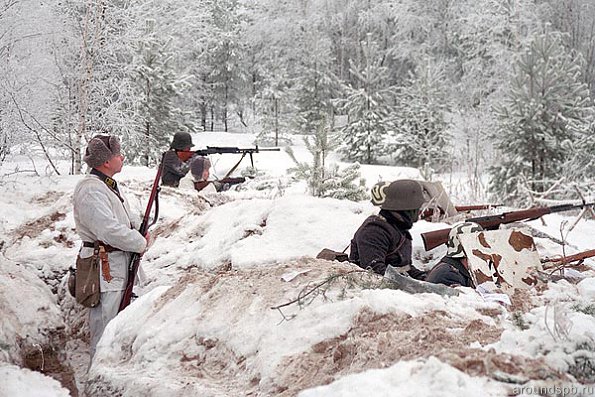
(65, 357)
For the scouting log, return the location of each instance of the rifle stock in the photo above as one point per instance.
(134, 263)
(437, 237)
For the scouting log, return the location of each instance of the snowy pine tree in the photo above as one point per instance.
(368, 108)
(271, 103)
(546, 109)
(158, 85)
(580, 167)
(323, 180)
(223, 57)
(314, 86)
(421, 130)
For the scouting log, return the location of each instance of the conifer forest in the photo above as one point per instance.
(501, 90)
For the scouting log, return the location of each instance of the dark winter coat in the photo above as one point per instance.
(380, 241)
(450, 271)
(174, 169)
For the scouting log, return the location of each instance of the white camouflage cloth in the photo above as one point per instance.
(99, 215)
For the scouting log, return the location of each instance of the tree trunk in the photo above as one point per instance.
(276, 107)
(203, 116)
(225, 112)
(92, 23)
(148, 124)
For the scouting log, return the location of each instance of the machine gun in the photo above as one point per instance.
(234, 150)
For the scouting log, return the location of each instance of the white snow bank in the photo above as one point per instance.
(587, 288)
(553, 331)
(28, 310)
(165, 328)
(22, 382)
(419, 378)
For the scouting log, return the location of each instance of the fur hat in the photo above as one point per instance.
(100, 149)
(198, 165)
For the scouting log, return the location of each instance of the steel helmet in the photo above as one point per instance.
(454, 248)
(401, 195)
(181, 141)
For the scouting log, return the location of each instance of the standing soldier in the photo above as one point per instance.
(175, 161)
(384, 240)
(102, 218)
(453, 269)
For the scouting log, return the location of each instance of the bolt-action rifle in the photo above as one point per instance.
(563, 260)
(134, 263)
(490, 222)
(428, 212)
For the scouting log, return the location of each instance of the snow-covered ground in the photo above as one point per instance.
(207, 321)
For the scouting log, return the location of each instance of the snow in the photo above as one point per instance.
(26, 383)
(587, 288)
(204, 323)
(28, 307)
(404, 379)
(542, 340)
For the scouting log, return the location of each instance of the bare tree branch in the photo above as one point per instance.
(45, 152)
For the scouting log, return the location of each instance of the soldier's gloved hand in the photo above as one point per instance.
(150, 241)
(416, 273)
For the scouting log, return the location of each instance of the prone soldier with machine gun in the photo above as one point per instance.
(180, 159)
(174, 165)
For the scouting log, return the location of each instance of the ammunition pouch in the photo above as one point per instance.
(84, 281)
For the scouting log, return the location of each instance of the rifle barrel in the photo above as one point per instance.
(476, 207)
(570, 258)
(428, 212)
(490, 222)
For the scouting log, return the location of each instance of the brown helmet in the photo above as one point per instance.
(401, 195)
(181, 141)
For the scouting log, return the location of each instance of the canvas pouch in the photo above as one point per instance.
(85, 280)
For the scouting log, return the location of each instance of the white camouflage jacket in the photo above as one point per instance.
(100, 215)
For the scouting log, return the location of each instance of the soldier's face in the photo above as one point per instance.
(115, 164)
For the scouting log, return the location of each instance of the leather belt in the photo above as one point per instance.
(108, 248)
